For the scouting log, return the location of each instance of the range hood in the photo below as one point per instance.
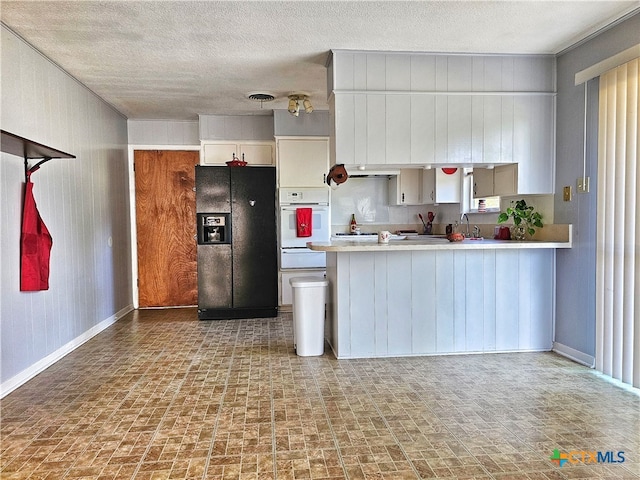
(357, 173)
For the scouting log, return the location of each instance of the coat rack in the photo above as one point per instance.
(28, 149)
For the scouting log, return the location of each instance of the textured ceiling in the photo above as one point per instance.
(175, 60)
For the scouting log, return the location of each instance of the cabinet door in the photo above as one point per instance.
(492, 131)
(349, 130)
(303, 163)
(459, 129)
(440, 187)
(376, 129)
(398, 129)
(423, 127)
(218, 153)
(429, 186)
(534, 147)
(505, 179)
(405, 188)
(257, 153)
(482, 182)
(448, 186)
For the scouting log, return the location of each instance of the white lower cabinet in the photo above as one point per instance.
(406, 188)
(255, 153)
(441, 187)
(286, 292)
(403, 303)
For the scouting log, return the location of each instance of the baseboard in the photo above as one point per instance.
(20, 379)
(575, 355)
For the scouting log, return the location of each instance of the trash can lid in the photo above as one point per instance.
(308, 282)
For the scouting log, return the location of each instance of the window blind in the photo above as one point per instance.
(618, 228)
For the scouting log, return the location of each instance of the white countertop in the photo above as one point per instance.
(422, 242)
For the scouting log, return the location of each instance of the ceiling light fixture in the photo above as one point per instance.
(294, 104)
(308, 108)
(294, 108)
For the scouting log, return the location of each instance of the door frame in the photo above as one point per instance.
(132, 209)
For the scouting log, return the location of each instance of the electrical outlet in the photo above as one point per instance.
(583, 185)
(566, 193)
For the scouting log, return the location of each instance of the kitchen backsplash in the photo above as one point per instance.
(368, 199)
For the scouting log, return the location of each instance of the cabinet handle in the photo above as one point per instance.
(431, 194)
(324, 178)
(402, 197)
(475, 188)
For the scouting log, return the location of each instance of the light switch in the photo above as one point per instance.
(583, 185)
(567, 193)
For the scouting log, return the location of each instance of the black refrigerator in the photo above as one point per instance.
(237, 246)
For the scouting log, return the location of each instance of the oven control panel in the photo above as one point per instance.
(309, 196)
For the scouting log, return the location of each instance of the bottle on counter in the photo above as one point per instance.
(353, 225)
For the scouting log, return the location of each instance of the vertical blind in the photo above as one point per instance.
(618, 228)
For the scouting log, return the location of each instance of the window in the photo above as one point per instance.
(470, 204)
(492, 204)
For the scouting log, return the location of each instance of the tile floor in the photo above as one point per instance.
(161, 395)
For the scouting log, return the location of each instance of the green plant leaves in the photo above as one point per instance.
(522, 214)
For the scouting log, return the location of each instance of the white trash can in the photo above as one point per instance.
(309, 296)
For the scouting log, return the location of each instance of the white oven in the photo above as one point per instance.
(293, 249)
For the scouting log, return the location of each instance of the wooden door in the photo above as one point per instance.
(166, 227)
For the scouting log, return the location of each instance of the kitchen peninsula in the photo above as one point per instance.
(426, 296)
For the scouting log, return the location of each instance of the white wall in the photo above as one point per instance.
(163, 132)
(236, 127)
(84, 203)
(315, 123)
(576, 267)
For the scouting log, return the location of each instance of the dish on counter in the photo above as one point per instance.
(236, 163)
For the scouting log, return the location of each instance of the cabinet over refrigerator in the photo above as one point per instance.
(237, 249)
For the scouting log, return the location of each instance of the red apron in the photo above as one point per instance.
(35, 245)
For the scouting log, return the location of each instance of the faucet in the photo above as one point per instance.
(462, 217)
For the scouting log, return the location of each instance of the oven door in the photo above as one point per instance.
(319, 226)
(302, 258)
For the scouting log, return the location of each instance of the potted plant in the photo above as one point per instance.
(525, 218)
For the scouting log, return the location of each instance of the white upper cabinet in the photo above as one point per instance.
(255, 153)
(406, 188)
(441, 187)
(409, 109)
(482, 183)
(500, 181)
(303, 162)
